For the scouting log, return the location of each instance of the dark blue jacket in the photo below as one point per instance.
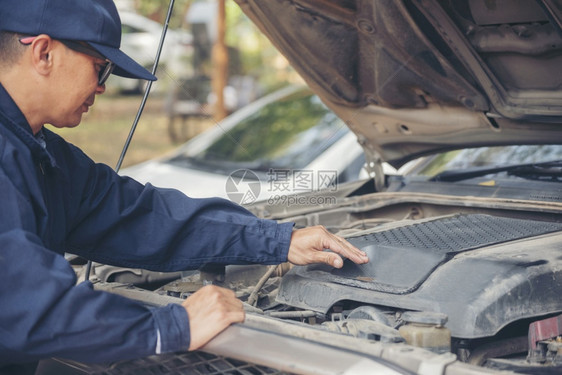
(56, 200)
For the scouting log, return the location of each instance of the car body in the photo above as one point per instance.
(140, 39)
(466, 247)
(284, 143)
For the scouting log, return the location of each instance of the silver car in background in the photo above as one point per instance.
(285, 143)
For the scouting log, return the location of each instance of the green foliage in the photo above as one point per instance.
(158, 9)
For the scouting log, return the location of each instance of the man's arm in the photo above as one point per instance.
(43, 312)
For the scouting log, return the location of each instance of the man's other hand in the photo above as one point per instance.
(211, 309)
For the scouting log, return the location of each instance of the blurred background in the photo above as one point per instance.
(210, 47)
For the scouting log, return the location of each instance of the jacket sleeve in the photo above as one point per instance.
(43, 312)
(121, 222)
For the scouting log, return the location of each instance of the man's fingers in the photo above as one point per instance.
(336, 262)
(326, 257)
(341, 246)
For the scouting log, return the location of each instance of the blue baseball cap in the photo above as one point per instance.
(96, 22)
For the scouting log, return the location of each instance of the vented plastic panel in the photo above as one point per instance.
(184, 363)
(402, 258)
(458, 233)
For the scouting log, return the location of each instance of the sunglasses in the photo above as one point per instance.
(85, 48)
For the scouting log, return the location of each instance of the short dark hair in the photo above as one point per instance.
(10, 48)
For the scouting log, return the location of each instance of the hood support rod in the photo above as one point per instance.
(141, 107)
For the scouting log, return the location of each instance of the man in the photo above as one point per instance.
(55, 56)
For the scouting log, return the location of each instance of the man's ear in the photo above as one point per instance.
(41, 54)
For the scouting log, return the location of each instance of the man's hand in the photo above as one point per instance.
(211, 309)
(307, 247)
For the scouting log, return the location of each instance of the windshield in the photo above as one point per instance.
(288, 133)
(483, 157)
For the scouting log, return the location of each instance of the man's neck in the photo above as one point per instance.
(25, 95)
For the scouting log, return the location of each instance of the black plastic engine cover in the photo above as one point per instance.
(482, 271)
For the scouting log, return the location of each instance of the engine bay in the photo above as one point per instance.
(486, 277)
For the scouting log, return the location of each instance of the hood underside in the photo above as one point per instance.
(417, 77)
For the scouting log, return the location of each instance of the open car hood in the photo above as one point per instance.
(412, 78)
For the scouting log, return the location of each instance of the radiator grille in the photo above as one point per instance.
(184, 363)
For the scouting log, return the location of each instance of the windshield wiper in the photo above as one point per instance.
(549, 171)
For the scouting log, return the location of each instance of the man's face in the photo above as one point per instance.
(75, 84)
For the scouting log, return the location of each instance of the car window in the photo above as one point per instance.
(490, 157)
(288, 133)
